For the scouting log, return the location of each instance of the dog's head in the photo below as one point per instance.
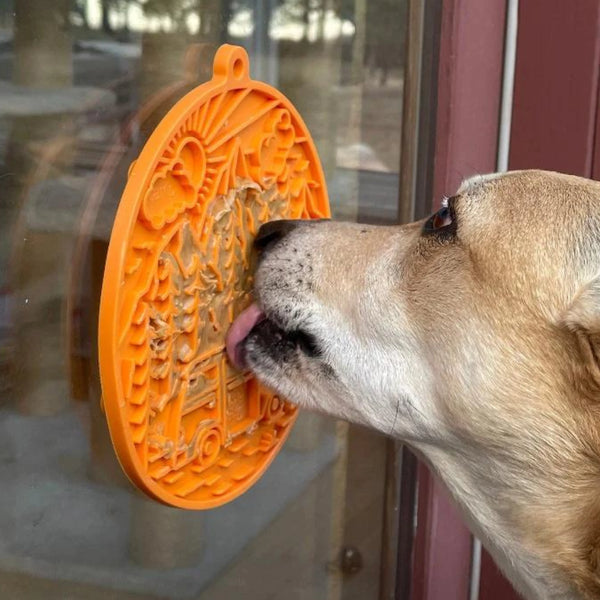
(474, 335)
(428, 329)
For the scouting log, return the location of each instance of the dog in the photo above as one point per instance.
(474, 337)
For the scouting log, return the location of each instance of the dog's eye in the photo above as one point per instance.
(441, 220)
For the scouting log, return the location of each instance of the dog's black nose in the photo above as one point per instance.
(272, 232)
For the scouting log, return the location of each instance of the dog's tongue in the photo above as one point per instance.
(239, 331)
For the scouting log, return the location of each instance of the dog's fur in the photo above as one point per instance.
(478, 344)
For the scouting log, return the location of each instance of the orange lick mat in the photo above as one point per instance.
(189, 429)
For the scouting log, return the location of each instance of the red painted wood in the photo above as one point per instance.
(442, 559)
(493, 585)
(469, 91)
(556, 86)
(596, 150)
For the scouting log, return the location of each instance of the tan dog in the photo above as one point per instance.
(474, 337)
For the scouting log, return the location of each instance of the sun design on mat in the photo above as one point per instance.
(200, 430)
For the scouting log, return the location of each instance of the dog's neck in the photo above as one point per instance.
(532, 574)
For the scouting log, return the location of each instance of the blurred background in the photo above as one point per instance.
(82, 85)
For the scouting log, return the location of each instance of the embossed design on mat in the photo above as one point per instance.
(188, 428)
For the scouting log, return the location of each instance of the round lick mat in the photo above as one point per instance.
(190, 430)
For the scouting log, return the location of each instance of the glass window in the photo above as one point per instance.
(82, 84)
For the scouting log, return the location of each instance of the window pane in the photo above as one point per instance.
(82, 85)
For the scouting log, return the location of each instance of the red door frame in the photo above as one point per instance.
(555, 122)
(556, 86)
(468, 106)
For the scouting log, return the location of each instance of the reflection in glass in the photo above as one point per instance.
(82, 84)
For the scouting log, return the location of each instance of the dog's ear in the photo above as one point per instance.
(583, 319)
(584, 312)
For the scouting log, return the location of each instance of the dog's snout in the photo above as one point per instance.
(272, 232)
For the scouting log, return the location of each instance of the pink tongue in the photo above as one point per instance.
(239, 331)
